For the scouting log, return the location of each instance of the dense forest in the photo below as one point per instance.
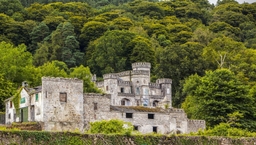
(209, 51)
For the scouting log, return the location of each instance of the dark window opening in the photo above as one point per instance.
(106, 88)
(122, 90)
(63, 97)
(155, 103)
(9, 116)
(123, 102)
(95, 106)
(155, 129)
(45, 94)
(135, 127)
(131, 90)
(10, 104)
(138, 103)
(128, 115)
(137, 91)
(151, 116)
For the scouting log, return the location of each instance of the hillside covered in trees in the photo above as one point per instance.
(208, 51)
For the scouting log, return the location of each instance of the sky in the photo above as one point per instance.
(240, 1)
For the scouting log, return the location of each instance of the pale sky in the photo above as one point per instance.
(240, 1)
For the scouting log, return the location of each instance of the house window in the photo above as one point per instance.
(122, 90)
(95, 106)
(63, 97)
(10, 104)
(151, 116)
(131, 89)
(168, 91)
(135, 127)
(106, 88)
(9, 116)
(128, 115)
(123, 102)
(36, 97)
(155, 129)
(22, 100)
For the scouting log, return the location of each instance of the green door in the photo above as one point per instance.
(24, 114)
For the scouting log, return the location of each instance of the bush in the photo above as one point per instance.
(113, 126)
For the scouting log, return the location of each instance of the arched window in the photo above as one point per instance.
(125, 102)
(155, 103)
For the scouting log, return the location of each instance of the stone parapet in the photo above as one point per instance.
(100, 84)
(126, 94)
(141, 65)
(140, 72)
(154, 85)
(175, 110)
(60, 79)
(110, 76)
(164, 81)
(124, 73)
(195, 125)
(156, 97)
(95, 95)
(124, 83)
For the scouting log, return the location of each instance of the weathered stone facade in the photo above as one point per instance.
(133, 88)
(61, 105)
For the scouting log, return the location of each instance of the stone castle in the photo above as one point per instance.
(61, 105)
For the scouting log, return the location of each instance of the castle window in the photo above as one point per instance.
(128, 115)
(137, 91)
(135, 127)
(131, 89)
(10, 104)
(151, 116)
(106, 88)
(145, 91)
(63, 97)
(168, 91)
(125, 102)
(155, 103)
(95, 106)
(122, 90)
(36, 97)
(155, 129)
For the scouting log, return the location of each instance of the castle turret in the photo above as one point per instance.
(166, 87)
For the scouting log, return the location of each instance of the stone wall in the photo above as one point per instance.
(195, 125)
(62, 104)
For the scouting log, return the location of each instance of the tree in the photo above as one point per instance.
(110, 53)
(84, 74)
(216, 95)
(6, 90)
(9, 7)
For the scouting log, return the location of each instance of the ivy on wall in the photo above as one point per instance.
(16, 100)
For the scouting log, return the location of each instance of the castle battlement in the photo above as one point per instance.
(164, 81)
(140, 72)
(154, 85)
(175, 110)
(141, 65)
(196, 121)
(61, 79)
(124, 83)
(96, 95)
(124, 73)
(100, 84)
(110, 76)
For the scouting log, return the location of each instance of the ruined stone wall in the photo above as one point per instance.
(195, 125)
(60, 114)
(94, 106)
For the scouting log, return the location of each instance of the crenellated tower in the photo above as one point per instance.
(166, 88)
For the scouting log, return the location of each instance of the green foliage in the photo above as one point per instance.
(111, 127)
(84, 74)
(16, 100)
(219, 97)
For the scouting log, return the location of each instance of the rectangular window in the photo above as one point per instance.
(10, 104)
(151, 116)
(22, 100)
(36, 97)
(122, 90)
(137, 91)
(128, 115)
(95, 106)
(63, 97)
(106, 88)
(155, 129)
(9, 116)
(123, 103)
(135, 127)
